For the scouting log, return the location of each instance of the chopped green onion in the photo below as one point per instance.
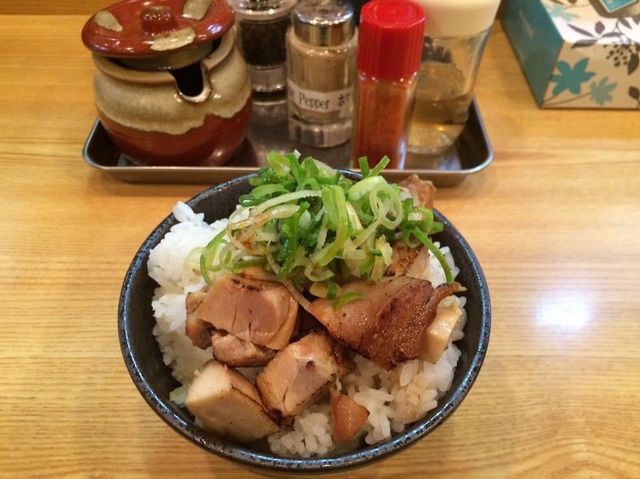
(310, 167)
(386, 251)
(324, 170)
(365, 235)
(277, 212)
(275, 267)
(436, 227)
(278, 162)
(313, 274)
(248, 200)
(427, 221)
(381, 208)
(315, 228)
(332, 290)
(345, 299)
(286, 198)
(192, 260)
(355, 254)
(338, 210)
(364, 166)
(291, 231)
(319, 289)
(241, 265)
(354, 219)
(364, 187)
(380, 166)
(263, 235)
(208, 255)
(296, 169)
(266, 190)
(436, 252)
(305, 219)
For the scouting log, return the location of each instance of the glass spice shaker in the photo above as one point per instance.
(321, 49)
(390, 48)
(261, 28)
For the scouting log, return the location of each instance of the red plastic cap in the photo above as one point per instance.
(390, 39)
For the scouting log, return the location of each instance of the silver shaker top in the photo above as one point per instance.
(323, 23)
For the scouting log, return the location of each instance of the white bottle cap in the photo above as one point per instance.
(456, 18)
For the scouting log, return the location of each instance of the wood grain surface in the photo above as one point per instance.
(53, 7)
(555, 222)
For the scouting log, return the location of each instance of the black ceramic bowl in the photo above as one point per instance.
(154, 381)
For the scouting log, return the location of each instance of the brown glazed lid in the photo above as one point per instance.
(147, 30)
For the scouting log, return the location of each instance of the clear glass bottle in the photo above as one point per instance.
(445, 90)
(321, 48)
(261, 28)
(455, 36)
(391, 35)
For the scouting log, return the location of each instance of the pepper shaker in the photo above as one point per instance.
(261, 28)
(321, 48)
(390, 48)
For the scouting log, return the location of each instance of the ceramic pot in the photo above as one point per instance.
(176, 95)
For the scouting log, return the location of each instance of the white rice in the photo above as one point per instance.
(394, 398)
(167, 266)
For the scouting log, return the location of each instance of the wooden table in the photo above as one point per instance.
(555, 222)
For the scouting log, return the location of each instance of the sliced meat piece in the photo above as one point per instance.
(199, 332)
(262, 312)
(388, 323)
(228, 404)
(423, 191)
(298, 375)
(439, 332)
(347, 416)
(238, 353)
(407, 261)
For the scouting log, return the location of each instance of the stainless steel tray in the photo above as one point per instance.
(471, 154)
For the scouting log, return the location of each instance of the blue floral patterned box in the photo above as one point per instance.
(578, 53)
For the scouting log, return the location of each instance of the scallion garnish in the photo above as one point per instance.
(344, 299)
(314, 228)
(208, 255)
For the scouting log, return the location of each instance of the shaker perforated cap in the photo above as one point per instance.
(323, 23)
(457, 18)
(262, 10)
(390, 39)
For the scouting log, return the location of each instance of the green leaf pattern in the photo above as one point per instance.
(571, 77)
(601, 91)
(572, 80)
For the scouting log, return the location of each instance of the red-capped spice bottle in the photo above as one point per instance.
(390, 48)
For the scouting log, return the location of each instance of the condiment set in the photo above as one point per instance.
(174, 77)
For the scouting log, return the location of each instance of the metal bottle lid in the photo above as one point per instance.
(261, 10)
(323, 23)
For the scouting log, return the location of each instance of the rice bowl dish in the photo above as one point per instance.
(393, 396)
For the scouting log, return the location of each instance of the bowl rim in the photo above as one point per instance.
(262, 461)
